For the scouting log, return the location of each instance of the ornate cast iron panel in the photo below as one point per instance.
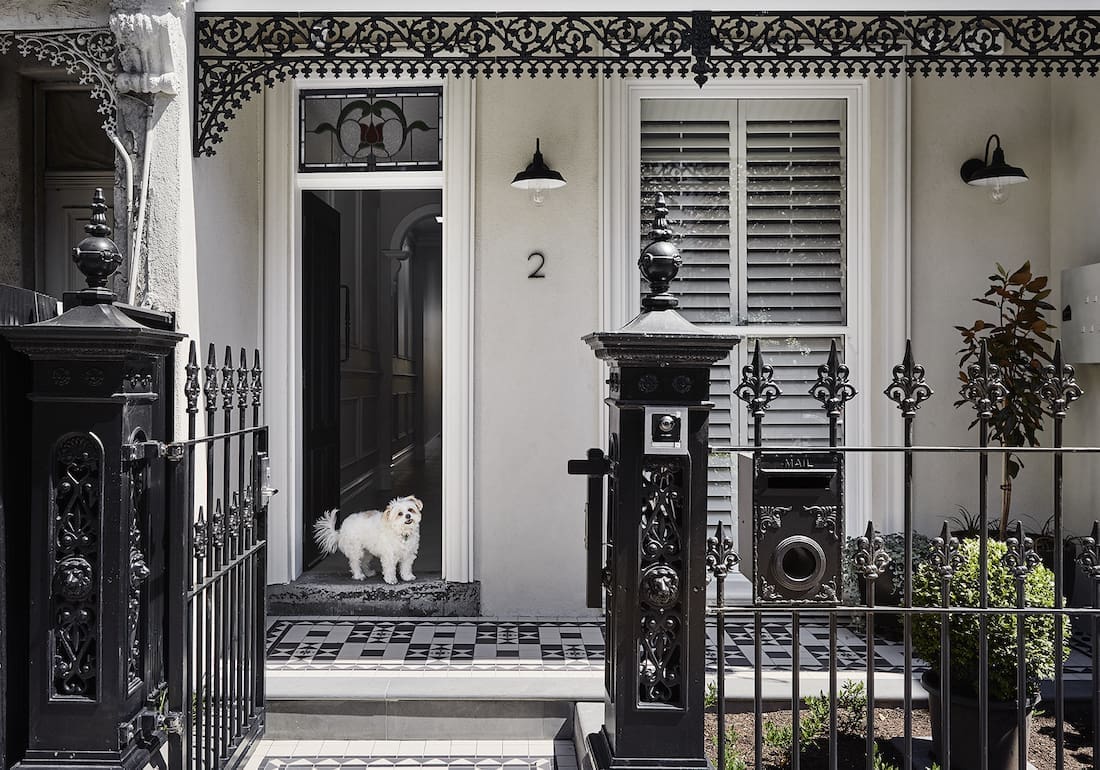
(75, 544)
(238, 55)
(138, 573)
(660, 590)
(90, 54)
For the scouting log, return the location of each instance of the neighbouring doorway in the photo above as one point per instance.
(372, 363)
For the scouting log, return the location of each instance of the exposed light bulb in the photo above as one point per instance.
(998, 193)
(538, 195)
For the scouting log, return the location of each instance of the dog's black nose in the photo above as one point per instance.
(408, 517)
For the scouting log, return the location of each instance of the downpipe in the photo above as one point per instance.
(138, 231)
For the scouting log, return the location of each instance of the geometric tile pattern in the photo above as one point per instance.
(478, 644)
(409, 755)
(468, 762)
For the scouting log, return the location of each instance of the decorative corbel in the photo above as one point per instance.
(145, 52)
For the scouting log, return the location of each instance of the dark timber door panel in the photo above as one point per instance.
(321, 377)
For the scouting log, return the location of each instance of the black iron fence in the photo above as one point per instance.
(988, 617)
(136, 562)
(219, 489)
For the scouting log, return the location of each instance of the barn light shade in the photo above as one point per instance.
(538, 178)
(995, 174)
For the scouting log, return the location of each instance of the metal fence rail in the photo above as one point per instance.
(908, 389)
(216, 612)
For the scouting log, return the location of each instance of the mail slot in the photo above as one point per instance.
(798, 527)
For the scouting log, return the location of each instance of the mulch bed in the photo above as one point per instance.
(890, 723)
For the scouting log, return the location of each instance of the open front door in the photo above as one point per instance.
(321, 375)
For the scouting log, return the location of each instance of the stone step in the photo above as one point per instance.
(420, 719)
(326, 593)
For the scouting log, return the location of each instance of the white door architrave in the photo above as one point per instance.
(282, 331)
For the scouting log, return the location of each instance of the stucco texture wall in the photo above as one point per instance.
(537, 385)
(958, 234)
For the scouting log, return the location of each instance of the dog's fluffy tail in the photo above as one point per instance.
(324, 531)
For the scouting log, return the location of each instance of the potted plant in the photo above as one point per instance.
(1001, 663)
(1014, 341)
(889, 585)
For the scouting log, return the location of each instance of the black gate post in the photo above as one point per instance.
(97, 375)
(657, 517)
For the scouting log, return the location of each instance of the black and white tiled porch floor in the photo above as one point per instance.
(508, 647)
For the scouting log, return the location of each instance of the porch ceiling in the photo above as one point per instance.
(240, 54)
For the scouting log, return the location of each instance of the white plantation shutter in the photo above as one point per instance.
(792, 212)
(756, 193)
(688, 152)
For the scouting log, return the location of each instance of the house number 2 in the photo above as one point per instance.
(537, 272)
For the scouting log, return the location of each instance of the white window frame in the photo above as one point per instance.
(282, 323)
(872, 333)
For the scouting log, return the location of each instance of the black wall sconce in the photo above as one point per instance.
(995, 174)
(537, 178)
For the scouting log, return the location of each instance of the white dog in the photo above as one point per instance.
(392, 535)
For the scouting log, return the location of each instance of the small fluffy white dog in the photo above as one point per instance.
(392, 535)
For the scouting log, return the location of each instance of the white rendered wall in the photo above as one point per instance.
(228, 220)
(958, 235)
(1074, 241)
(537, 386)
(537, 396)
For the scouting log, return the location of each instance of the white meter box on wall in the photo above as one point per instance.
(1081, 314)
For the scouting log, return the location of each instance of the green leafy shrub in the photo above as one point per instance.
(1001, 629)
(851, 702)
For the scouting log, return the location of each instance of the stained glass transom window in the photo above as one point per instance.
(372, 129)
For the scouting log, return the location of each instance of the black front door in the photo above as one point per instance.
(321, 376)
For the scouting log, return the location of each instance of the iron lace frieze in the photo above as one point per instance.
(74, 545)
(661, 583)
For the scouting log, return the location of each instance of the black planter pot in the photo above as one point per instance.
(965, 754)
(889, 626)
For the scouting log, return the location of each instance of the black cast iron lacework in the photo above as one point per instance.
(371, 129)
(238, 55)
(74, 541)
(662, 565)
(89, 54)
(139, 573)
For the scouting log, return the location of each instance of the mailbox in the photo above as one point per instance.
(798, 527)
(653, 584)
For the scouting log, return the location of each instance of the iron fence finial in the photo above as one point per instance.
(908, 388)
(757, 388)
(943, 553)
(1059, 386)
(983, 386)
(229, 383)
(721, 555)
(191, 386)
(832, 388)
(870, 558)
(1020, 556)
(210, 372)
(1089, 555)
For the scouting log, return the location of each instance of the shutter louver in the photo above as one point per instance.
(688, 152)
(796, 418)
(793, 212)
